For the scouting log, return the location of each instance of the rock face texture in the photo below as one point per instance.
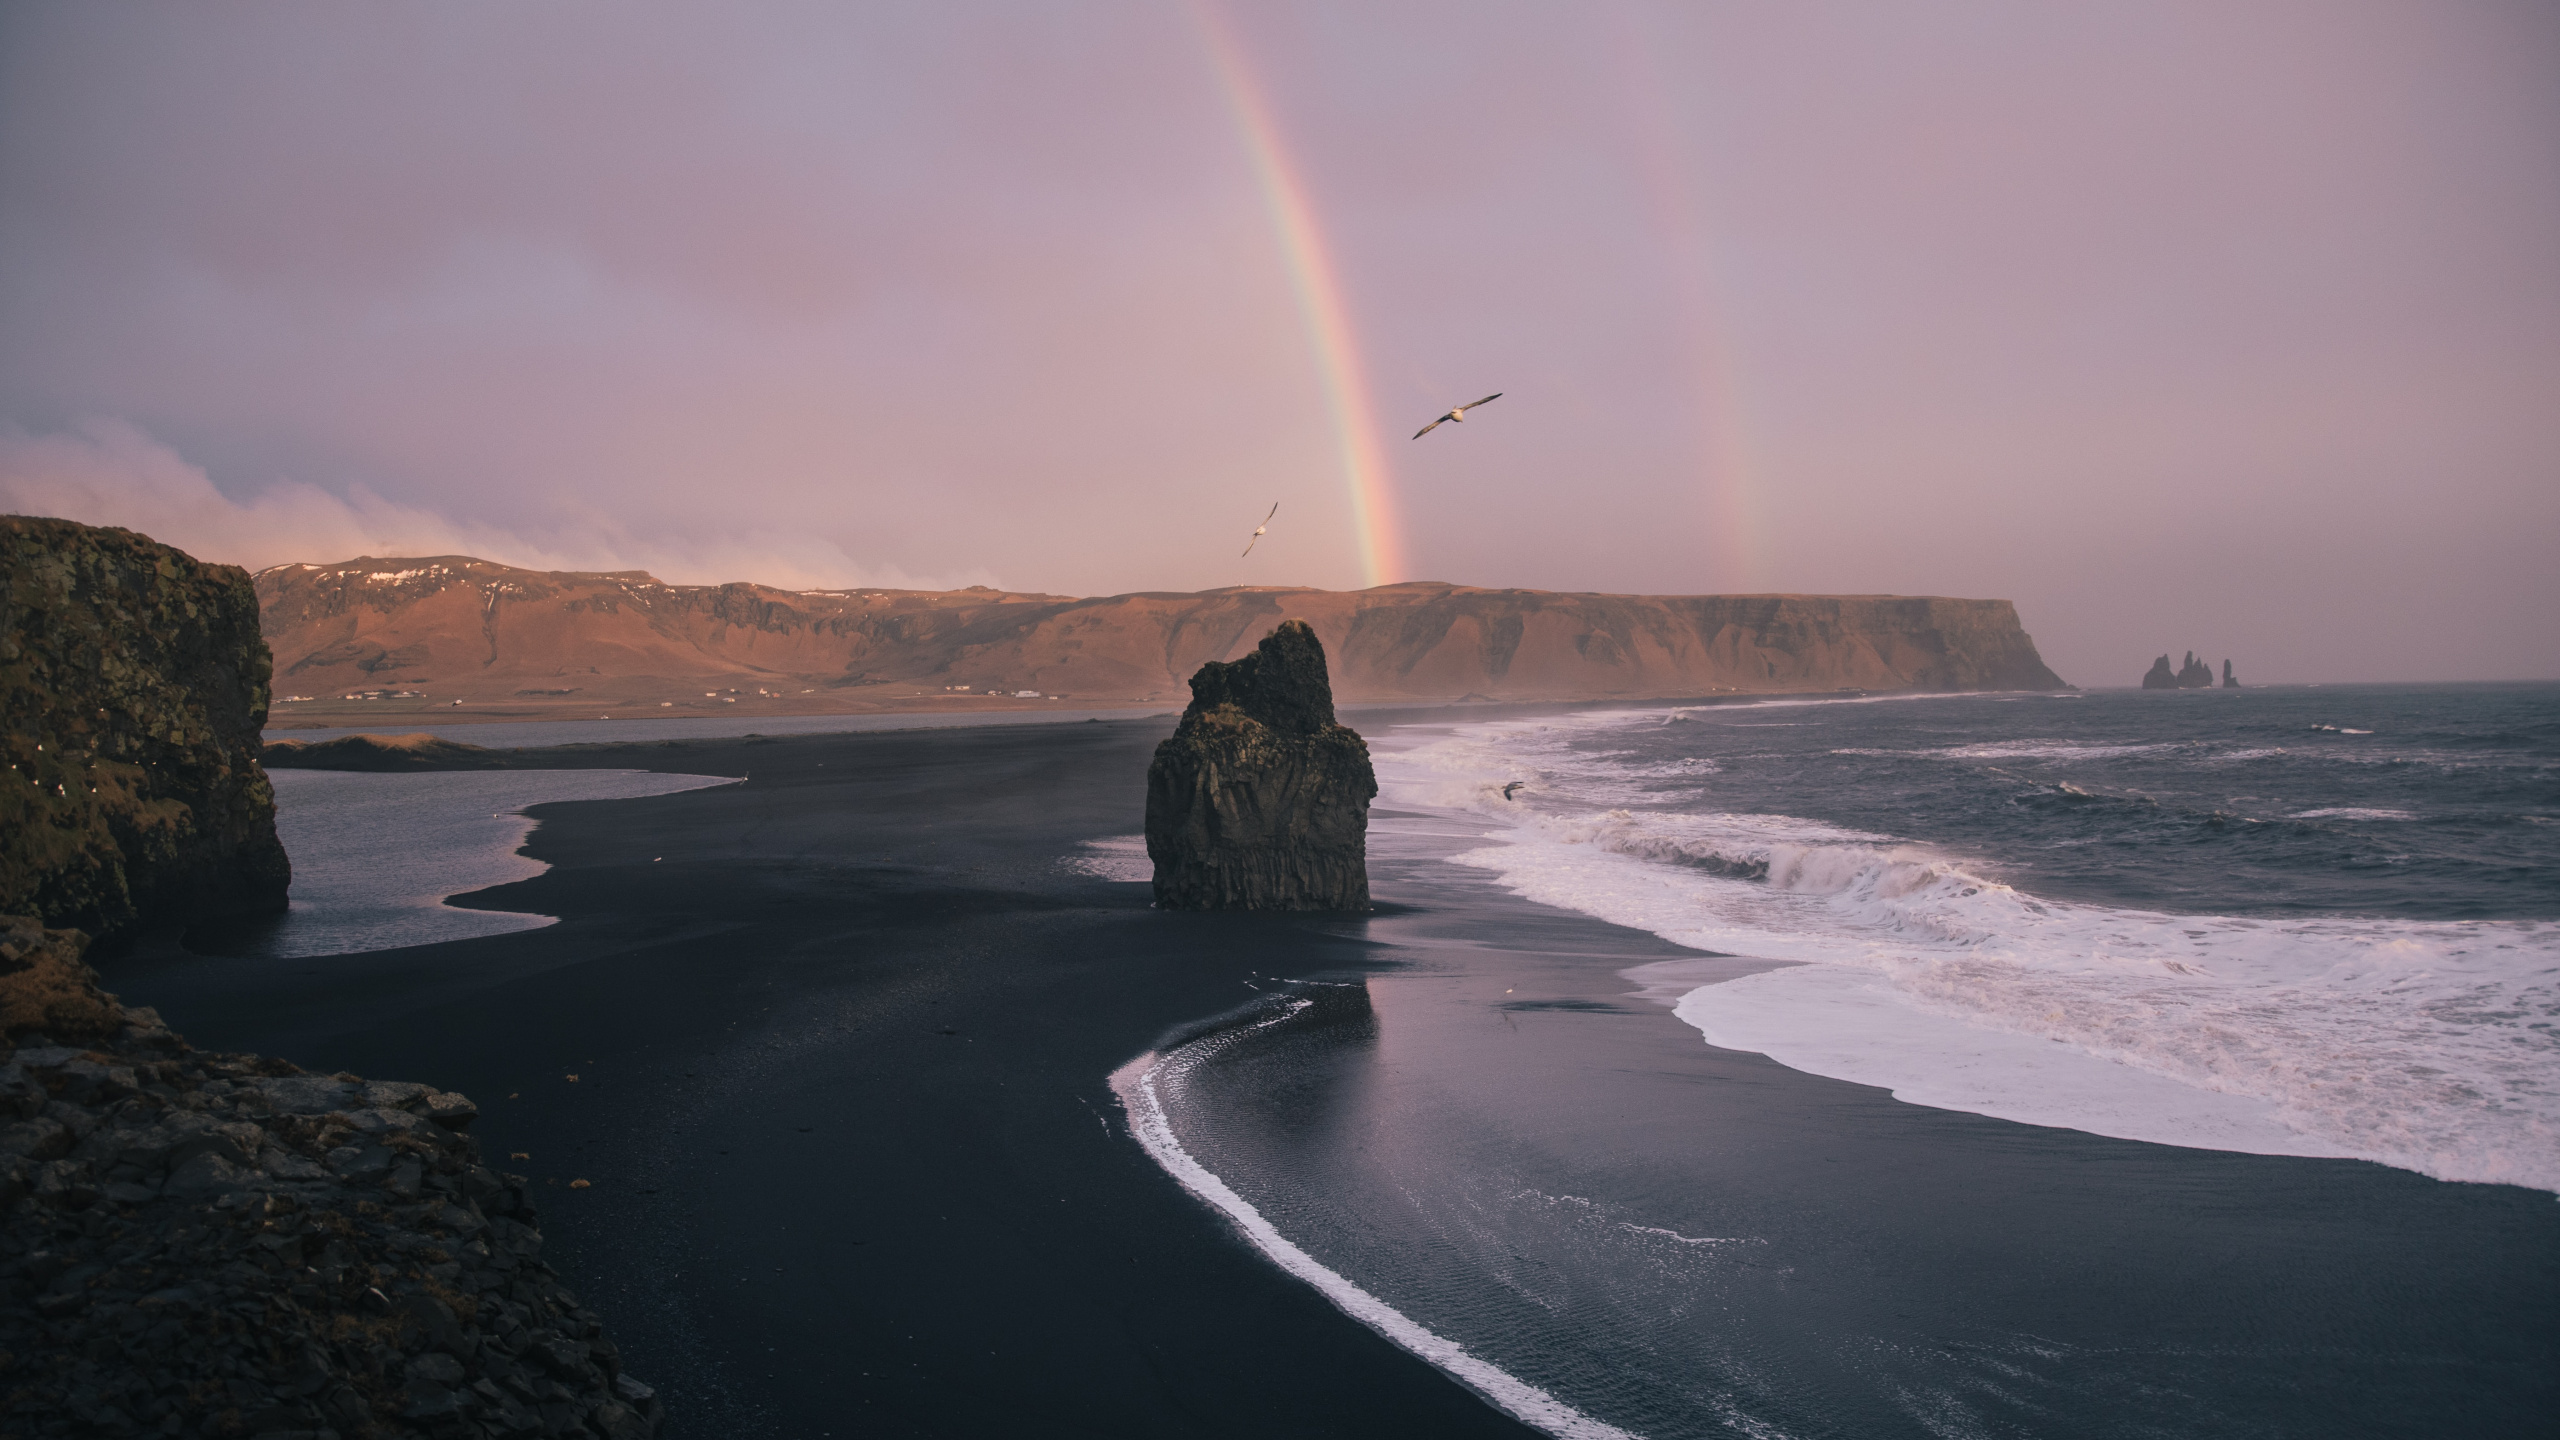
(1260, 801)
(45, 985)
(220, 1245)
(456, 628)
(134, 681)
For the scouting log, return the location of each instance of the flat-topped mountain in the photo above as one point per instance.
(451, 628)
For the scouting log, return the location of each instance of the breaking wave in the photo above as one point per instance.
(2429, 1045)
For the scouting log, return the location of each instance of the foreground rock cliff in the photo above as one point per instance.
(220, 1245)
(454, 628)
(1260, 801)
(134, 681)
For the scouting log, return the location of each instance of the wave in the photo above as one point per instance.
(2028, 750)
(1142, 1085)
(2428, 1046)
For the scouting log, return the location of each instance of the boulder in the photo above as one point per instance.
(1260, 800)
(135, 683)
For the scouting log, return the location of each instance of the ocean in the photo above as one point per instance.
(2096, 1063)
(376, 856)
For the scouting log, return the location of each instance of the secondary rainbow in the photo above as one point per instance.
(1726, 469)
(1319, 293)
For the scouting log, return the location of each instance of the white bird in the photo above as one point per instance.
(1258, 529)
(1457, 415)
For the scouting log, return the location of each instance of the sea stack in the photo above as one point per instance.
(1260, 800)
(135, 684)
(2193, 675)
(2228, 682)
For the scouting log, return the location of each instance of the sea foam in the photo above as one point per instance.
(2425, 1045)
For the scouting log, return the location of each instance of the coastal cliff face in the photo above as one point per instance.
(1260, 801)
(454, 628)
(134, 682)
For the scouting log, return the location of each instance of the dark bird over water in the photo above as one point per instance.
(1258, 529)
(1456, 415)
(1514, 785)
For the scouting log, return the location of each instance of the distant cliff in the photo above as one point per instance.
(134, 684)
(454, 627)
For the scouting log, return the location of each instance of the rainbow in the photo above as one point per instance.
(1320, 305)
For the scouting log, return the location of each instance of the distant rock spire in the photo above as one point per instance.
(2195, 674)
(2228, 683)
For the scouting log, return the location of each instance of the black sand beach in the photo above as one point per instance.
(841, 1037)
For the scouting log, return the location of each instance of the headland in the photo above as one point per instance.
(452, 638)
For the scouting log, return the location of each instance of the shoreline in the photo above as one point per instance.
(1681, 1240)
(843, 1053)
(844, 1058)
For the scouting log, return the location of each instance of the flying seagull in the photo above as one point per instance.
(1258, 529)
(1458, 414)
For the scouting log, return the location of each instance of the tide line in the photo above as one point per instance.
(1135, 1083)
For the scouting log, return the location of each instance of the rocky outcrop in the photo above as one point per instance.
(220, 1245)
(459, 629)
(2228, 681)
(1260, 800)
(46, 986)
(2193, 675)
(135, 682)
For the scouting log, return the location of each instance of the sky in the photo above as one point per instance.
(2182, 325)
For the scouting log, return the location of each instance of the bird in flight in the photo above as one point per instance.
(1258, 529)
(1455, 415)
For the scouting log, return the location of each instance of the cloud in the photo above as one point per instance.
(111, 472)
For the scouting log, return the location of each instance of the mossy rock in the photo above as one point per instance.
(133, 682)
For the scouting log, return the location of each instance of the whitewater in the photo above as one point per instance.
(2307, 922)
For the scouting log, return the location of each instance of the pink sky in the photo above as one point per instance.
(2234, 328)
